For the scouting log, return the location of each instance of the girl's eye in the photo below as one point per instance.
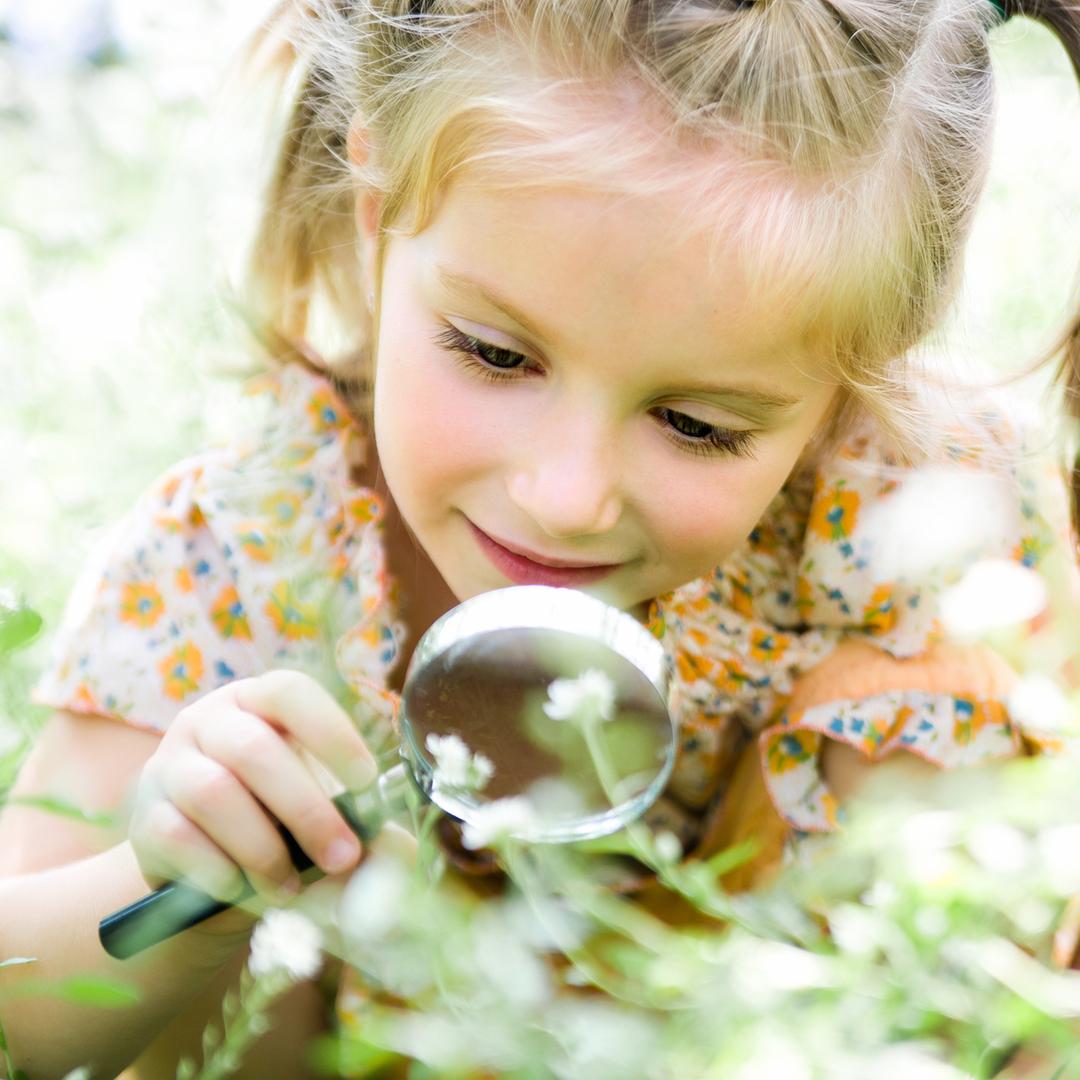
(495, 364)
(697, 437)
(488, 361)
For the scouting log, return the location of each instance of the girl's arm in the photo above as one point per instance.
(59, 876)
(53, 915)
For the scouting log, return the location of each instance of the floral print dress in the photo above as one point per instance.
(266, 554)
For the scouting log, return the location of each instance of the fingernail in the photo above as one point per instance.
(291, 886)
(340, 854)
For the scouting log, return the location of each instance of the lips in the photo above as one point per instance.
(531, 568)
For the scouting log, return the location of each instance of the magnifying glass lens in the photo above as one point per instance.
(584, 773)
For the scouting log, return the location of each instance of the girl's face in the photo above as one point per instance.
(554, 375)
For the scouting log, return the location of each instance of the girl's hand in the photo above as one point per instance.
(207, 799)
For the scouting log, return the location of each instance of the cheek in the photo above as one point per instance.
(706, 519)
(430, 426)
(704, 515)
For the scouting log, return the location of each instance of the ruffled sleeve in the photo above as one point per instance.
(826, 624)
(882, 546)
(255, 555)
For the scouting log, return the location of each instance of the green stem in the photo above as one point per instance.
(642, 844)
(9, 1065)
(246, 1027)
(602, 978)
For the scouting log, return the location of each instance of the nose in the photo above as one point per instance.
(568, 480)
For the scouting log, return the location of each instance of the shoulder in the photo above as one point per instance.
(248, 556)
(886, 536)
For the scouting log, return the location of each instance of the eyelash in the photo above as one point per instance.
(477, 357)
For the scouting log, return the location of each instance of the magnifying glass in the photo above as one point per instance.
(500, 672)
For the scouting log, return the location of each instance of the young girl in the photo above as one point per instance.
(631, 290)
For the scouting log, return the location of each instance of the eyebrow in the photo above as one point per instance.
(755, 399)
(473, 290)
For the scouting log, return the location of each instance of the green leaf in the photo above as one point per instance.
(350, 1056)
(54, 805)
(18, 627)
(230, 1005)
(82, 990)
(16, 1074)
(12, 961)
(91, 990)
(211, 1040)
(724, 861)
(186, 1070)
(259, 1024)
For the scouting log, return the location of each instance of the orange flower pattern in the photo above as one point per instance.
(228, 615)
(181, 671)
(250, 556)
(292, 618)
(835, 511)
(140, 604)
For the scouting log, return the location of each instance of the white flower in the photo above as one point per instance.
(374, 898)
(994, 593)
(904, 1062)
(285, 941)
(1057, 846)
(506, 962)
(1037, 703)
(855, 929)
(603, 1039)
(590, 696)
(1000, 848)
(498, 820)
(972, 512)
(667, 846)
(455, 766)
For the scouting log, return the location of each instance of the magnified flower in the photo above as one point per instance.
(285, 941)
(497, 820)
(455, 766)
(589, 697)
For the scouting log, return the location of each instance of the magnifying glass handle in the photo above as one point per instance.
(177, 905)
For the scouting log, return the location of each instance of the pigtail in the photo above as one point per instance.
(1063, 17)
(304, 246)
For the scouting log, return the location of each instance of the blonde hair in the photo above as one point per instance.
(856, 137)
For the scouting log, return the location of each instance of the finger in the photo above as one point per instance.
(260, 758)
(321, 900)
(296, 702)
(213, 798)
(171, 847)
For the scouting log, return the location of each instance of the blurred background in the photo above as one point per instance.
(130, 169)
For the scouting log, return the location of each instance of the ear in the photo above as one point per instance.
(359, 150)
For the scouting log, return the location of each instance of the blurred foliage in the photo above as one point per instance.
(939, 906)
(125, 198)
(118, 247)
